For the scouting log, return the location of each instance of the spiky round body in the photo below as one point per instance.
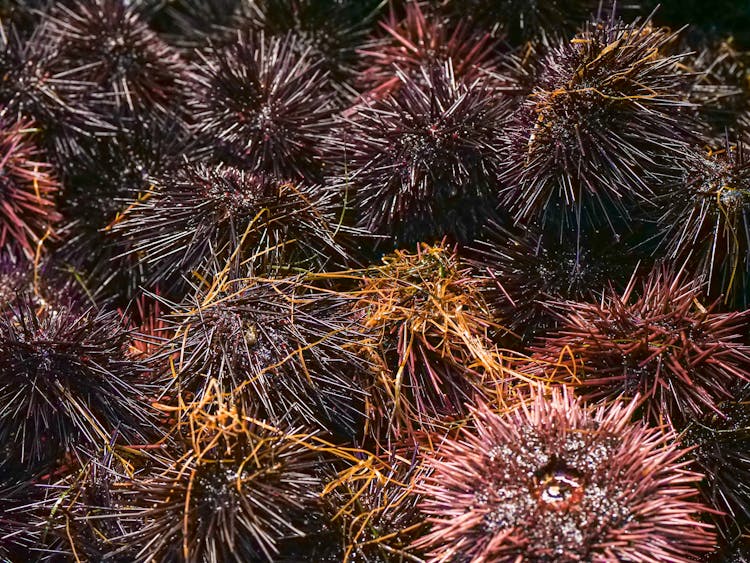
(199, 214)
(238, 492)
(422, 39)
(428, 326)
(66, 381)
(523, 20)
(661, 342)
(424, 163)
(600, 128)
(554, 480)
(706, 219)
(27, 188)
(108, 63)
(27, 88)
(272, 346)
(263, 104)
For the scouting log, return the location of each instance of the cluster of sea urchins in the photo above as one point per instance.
(374, 281)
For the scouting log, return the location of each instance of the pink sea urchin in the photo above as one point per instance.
(557, 481)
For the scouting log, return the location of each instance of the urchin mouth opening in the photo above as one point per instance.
(557, 485)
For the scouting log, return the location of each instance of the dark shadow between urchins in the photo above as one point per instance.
(189, 24)
(520, 21)
(331, 30)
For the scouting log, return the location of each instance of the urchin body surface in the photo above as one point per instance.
(600, 129)
(424, 163)
(556, 481)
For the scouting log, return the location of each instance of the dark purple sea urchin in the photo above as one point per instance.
(329, 30)
(265, 105)
(721, 443)
(197, 215)
(706, 219)
(66, 381)
(424, 162)
(554, 481)
(527, 269)
(279, 350)
(598, 130)
(108, 63)
(240, 490)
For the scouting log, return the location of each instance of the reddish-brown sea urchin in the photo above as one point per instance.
(555, 481)
(27, 188)
(423, 40)
(682, 357)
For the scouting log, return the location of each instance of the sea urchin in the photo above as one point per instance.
(556, 481)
